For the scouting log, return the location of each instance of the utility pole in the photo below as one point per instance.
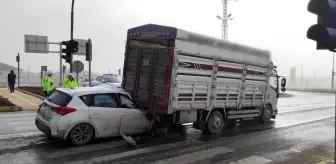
(18, 61)
(301, 74)
(225, 20)
(71, 30)
(333, 72)
(28, 73)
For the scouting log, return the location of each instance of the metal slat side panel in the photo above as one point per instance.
(144, 77)
(130, 70)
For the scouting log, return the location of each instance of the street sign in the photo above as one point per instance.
(77, 66)
(36, 44)
(81, 46)
(44, 68)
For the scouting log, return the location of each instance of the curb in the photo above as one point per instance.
(31, 94)
(10, 109)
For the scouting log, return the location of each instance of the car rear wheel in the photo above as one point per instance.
(81, 134)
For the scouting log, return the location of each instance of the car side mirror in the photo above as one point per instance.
(283, 85)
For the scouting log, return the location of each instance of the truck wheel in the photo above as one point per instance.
(266, 115)
(215, 123)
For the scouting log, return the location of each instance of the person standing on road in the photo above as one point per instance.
(47, 84)
(70, 82)
(11, 81)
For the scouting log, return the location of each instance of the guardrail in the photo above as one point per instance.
(317, 90)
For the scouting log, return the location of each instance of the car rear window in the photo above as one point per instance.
(59, 98)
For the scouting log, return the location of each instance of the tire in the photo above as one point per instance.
(266, 114)
(215, 123)
(81, 134)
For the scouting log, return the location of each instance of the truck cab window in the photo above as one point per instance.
(273, 81)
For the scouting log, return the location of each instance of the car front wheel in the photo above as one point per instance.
(81, 134)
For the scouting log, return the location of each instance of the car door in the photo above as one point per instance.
(134, 121)
(105, 114)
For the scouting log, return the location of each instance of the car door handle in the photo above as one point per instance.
(94, 113)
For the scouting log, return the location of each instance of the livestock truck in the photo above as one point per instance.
(184, 77)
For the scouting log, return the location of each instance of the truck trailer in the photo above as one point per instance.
(184, 77)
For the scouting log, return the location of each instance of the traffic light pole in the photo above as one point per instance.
(71, 30)
(61, 71)
(333, 72)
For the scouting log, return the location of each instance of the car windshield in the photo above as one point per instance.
(113, 79)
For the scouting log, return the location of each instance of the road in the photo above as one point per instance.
(304, 132)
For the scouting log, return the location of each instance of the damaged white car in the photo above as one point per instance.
(85, 113)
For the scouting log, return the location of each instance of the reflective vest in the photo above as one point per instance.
(47, 84)
(70, 83)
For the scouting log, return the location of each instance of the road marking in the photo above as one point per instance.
(20, 123)
(134, 152)
(31, 127)
(252, 160)
(20, 119)
(325, 162)
(16, 115)
(84, 149)
(18, 135)
(294, 150)
(194, 157)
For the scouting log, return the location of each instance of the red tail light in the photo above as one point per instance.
(66, 110)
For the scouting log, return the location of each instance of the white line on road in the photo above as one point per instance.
(16, 115)
(18, 135)
(31, 127)
(133, 152)
(22, 119)
(303, 109)
(83, 149)
(196, 156)
(252, 160)
(22, 123)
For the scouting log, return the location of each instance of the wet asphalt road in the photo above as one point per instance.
(303, 133)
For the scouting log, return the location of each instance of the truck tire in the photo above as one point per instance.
(266, 115)
(215, 123)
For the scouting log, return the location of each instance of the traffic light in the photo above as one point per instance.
(324, 32)
(71, 47)
(88, 50)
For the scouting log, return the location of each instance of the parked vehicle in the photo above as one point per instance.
(184, 77)
(85, 113)
(108, 79)
(84, 80)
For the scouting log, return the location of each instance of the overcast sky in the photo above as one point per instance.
(279, 26)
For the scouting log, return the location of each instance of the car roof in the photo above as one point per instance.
(91, 90)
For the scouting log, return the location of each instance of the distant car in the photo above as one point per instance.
(108, 79)
(85, 113)
(84, 81)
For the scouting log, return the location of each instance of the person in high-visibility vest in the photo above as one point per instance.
(70, 82)
(47, 84)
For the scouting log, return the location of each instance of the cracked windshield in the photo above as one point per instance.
(167, 82)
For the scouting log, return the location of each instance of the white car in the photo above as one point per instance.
(85, 113)
(108, 79)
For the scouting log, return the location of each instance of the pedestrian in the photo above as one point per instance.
(70, 82)
(47, 84)
(11, 81)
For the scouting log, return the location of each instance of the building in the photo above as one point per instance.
(292, 77)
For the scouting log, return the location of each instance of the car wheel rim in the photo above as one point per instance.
(82, 134)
